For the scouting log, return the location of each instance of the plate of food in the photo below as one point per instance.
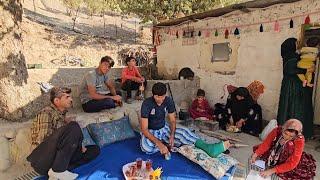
(137, 170)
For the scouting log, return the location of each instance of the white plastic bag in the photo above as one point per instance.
(271, 125)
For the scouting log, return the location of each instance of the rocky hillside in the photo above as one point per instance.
(48, 37)
(40, 34)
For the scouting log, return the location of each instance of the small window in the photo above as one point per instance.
(221, 52)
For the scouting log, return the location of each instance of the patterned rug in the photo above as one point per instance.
(240, 173)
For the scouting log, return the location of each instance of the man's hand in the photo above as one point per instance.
(171, 140)
(83, 149)
(137, 79)
(163, 149)
(70, 118)
(116, 98)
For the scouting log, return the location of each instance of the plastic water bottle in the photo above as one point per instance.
(141, 95)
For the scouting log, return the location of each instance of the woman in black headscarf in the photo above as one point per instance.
(295, 100)
(241, 111)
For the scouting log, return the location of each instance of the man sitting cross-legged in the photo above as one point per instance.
(97, 89)
(155, 130)
(58, 140)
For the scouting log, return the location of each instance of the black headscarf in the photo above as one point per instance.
(288, 49)
(240, 108)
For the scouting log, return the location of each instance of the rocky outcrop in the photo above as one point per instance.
(13, 71)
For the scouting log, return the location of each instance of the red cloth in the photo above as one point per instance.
(293, 162)
(128, 74)
(204, 105)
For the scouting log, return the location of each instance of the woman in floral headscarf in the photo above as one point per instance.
(282, 151)
(256, 88)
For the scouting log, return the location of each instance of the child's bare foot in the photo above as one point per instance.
(304, 84)
(310, 85)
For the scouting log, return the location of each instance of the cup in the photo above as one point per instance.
(139, 163)
(148, 164)
(133, 170)
(167, 156)
(128, 173)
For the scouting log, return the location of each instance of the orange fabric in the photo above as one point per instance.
(256, 88)
(128, 74)
(292, 161)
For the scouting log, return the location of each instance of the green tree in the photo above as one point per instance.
(73, 7)
(94, 6)
(224, 3)
(156, 10)
(153, 10)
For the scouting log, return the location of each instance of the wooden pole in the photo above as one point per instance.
(135, 31)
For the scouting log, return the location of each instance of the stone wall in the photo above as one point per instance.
(182, 90)
(255, 55)
(69, 77)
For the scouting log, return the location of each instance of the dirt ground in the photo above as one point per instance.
(48, 38)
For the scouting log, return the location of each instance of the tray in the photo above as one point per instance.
(139, 175)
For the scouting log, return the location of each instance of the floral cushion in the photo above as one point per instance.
(217, 167)
(87, 140)
(109, 132)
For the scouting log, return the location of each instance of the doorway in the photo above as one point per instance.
(308, 31)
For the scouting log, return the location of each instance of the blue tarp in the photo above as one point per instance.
(108, 165)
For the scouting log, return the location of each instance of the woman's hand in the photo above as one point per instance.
(226, 145)
(240, 123)
(253, 158)
(267, 173)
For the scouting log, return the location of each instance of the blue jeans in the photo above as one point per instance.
(99, 105)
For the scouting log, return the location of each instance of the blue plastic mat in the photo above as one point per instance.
(108, 165)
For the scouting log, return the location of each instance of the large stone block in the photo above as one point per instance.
(20, 147)
(4, 154)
